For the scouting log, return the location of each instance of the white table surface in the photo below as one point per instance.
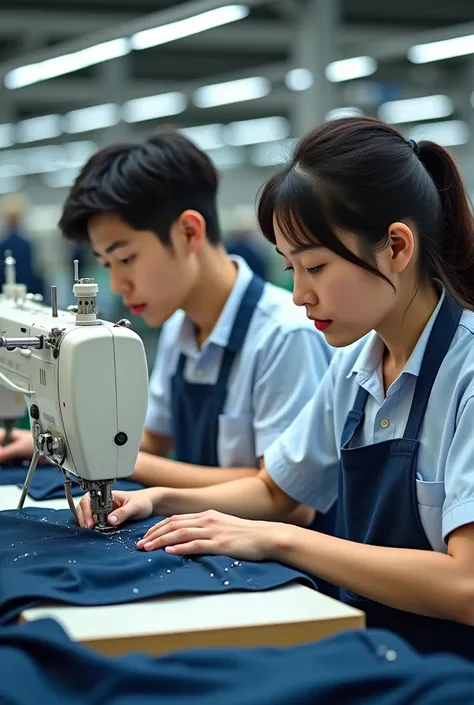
(289, 604)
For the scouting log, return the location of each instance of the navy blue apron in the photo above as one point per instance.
(196, 408)
(378, 502)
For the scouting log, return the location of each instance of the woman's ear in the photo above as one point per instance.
(402, 246)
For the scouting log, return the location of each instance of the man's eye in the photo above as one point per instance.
(127, 260)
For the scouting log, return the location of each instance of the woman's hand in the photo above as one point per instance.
(134, 505)
(211, 532)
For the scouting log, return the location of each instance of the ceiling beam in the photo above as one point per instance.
(57, 23)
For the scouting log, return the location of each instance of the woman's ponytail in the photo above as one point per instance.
(455, 258)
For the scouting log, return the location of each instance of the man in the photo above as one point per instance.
(236, 360)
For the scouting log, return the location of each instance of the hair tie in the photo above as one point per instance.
(415, 147)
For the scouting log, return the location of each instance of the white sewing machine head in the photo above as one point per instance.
(85, 382)
(12, 404)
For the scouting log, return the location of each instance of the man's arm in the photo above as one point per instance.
(155, 443)
(155, 471)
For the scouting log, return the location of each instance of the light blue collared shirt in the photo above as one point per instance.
(304, 462)
(274, 375)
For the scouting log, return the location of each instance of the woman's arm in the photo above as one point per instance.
(424, 582)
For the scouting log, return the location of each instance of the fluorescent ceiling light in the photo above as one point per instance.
(444, 49)
(6, 135)
(227, 157)
(10, 184)
(205, 136)
(348, 111)
(428, 107)
(450, 133)
(97, 117)
(191, 25)
(349, 69)
(7, 171)
(154, 106)
(68, 63)
(62, 178)
(45, 159)
(259, 130)
(299, 79)
(34, 160)
(232, 92)
(75, 154)
(272, 153)
(45, 127)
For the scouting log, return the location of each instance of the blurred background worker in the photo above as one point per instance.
(14, 239)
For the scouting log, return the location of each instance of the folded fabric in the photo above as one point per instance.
(48, 483)
(13, 475)
(44, 557)
(40, 664)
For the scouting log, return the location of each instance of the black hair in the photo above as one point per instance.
(148, 185)
(360, 175)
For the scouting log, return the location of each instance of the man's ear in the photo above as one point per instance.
(189, 232)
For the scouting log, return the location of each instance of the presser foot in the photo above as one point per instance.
(101, 503)
(101, 524)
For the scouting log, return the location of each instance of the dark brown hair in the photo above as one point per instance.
(360, 175)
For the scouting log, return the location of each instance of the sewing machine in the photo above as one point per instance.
(12, 404)
(84, 381)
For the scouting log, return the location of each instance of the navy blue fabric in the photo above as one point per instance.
(40, 665)
(378, 503)
(48, 483)
(45, 557)
(13, 475)
(195, 408)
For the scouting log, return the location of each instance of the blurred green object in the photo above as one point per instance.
(24, 423)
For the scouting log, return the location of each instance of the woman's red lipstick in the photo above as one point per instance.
(322, 325)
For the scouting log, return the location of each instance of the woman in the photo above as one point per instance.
(380, 238)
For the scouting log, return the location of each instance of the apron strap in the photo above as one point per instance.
(241, 323)
(440, 339)
(355, 417)
(239, 330)
(180, 366)
(250, 299)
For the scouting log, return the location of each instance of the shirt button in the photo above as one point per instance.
(385, 423)
(199, 373)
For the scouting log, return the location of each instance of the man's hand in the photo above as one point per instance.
(21, 447)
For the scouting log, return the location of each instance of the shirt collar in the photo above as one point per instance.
(220, 334)
(371, 354)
